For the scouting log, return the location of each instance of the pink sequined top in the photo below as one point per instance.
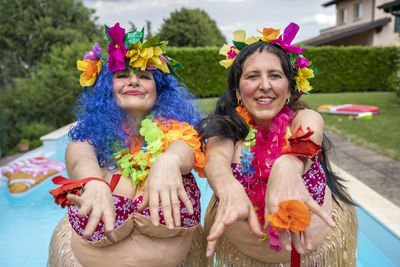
(314, 179)
(125, 207)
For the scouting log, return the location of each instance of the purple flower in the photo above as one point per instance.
(95, 54)
(301, 62)
(286, 39)
(116, 49)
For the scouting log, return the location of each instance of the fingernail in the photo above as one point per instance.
(170, 226)
(300, 250)
(309, 245)
(155, 223)
(288, 247)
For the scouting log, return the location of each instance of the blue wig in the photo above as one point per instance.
(101, 121)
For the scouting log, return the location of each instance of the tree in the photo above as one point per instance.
(191, 27)
(40, 42)
(28, 29)
(148, 30)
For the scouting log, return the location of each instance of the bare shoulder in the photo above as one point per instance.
(81, 148)
(308, 118)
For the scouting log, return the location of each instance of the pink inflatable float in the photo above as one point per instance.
(27, 173)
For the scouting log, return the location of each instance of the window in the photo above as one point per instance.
(397, 21)
(358, 9)
(343, 16)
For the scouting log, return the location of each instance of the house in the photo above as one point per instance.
(361, 22)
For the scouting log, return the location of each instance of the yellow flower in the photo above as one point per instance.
(240, 36)
(90, 68)
(147, 58)
(301, 79)
(269, 34)
(230, 52)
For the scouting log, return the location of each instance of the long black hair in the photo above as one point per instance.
(225, 121)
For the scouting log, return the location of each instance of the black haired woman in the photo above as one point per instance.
(267, 167)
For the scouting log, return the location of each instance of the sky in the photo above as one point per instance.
(230, 15)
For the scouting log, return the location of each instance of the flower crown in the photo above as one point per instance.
(272, 36)
(127, 50)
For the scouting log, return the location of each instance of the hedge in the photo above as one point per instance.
(340, 69)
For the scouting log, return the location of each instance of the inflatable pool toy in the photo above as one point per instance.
(25, 174)
(349, 109)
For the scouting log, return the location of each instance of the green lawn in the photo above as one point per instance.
(381, 133)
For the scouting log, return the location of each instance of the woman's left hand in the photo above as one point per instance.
(164, 184)
(286, 183)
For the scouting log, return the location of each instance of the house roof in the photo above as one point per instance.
(391, 6)
(342, 33)
(334, 2)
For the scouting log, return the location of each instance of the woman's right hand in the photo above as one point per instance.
(234, 205)
(97, 202)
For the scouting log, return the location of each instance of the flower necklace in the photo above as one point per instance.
(158, 134)
(262, 148)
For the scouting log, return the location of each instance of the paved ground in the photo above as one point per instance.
(379, 172)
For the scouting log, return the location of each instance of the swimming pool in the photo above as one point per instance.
(27, 223)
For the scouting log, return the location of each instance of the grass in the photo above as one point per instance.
(381, 133)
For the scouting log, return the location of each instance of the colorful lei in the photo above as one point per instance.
(127, 50)
(262, 148)
(270, 35)
(158, 134)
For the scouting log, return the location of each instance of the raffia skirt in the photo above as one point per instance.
(61, 252)
(338, 249)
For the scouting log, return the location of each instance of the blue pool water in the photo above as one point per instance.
(27, 223)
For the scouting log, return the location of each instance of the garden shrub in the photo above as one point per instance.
(340, 69)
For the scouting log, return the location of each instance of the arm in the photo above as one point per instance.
(164, 184)
(285, 181)
(96, 200)
(234, 205)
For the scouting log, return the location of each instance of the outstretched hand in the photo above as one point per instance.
(164, 184)
(285, 183)
(234, 205)
(97, 202)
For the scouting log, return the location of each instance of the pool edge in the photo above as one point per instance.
(380, 208)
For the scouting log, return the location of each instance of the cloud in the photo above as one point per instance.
(320, 19)
(232, 27)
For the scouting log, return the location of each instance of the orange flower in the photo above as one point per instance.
(243, 114)
(292, 214)
(175, 130)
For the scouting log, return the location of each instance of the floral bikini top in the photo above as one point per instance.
(314, 179)
(124, 207)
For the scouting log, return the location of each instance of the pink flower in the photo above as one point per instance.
(232, 52)
(274, 241)
(116, 49)
(301, 62)
(286, 39)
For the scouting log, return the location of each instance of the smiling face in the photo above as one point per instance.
(136, 94)
(263, 86)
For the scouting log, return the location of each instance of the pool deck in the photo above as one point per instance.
(372, 179)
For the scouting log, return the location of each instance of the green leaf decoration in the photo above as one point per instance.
(107, 36)
(132, 38)
(142, 31)
(174, 63)
(239, 45)
(153, 41)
